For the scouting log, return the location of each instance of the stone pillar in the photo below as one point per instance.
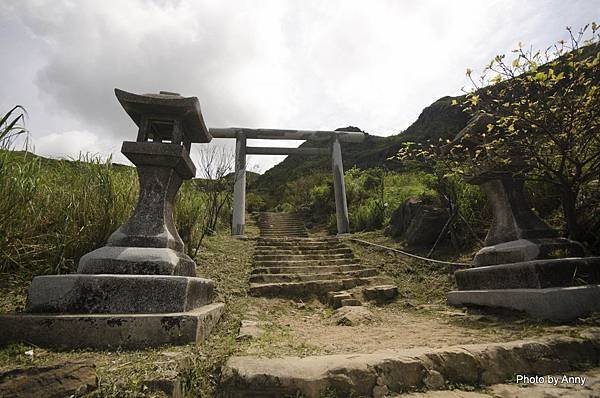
(341, 207)
(141, 289)
(238, 222)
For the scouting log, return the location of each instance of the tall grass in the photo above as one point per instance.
(59, 210)
(54, 211)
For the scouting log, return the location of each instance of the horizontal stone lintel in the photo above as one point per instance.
(556, 304)
(535, 274)
(279, 134)
(286, 151)
(405, 370)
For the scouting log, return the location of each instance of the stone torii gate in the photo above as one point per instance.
(238, 222)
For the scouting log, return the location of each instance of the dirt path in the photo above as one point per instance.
(309, 329)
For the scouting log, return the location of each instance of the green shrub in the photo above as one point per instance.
(54, 211)
(367, 216)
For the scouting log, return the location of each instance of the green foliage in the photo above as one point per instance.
(59, 212)
(54, 211)
(545, 117)
(372, 195)
(368, 216)
(399, 187)
(438, 120)
(538, 115)
(189, 214)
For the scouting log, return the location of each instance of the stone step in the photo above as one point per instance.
(117, 294)
(301, 263)
(282, 227)
(296, 277)
(281, 223)
(269, 230)
(303, 240)
(276, 233)
(110, 331)
(337, 299)
(286, 234)
(399, 371)
(307, 270)
(306, 289)
(341, 250)
(299, 245)
(278, 215)
(284, 257)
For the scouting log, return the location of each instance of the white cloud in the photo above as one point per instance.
(69, 144)
(272, 63)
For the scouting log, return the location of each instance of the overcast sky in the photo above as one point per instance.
(297, 64)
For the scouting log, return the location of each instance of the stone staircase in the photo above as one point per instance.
(290, 264)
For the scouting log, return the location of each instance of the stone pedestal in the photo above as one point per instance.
(139, 290)
(517, 233)
(559, 289)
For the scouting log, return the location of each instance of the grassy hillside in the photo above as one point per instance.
(439, 120)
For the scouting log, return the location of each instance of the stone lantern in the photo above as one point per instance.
(139, 290)
(525, 265)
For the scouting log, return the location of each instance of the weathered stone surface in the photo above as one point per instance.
(136, 261)
(171, 123)
(110, 331)
(52, 381)
(306, 289)
(536, 274)
(250, 330)
(434, 380)
(405, 370)
(352, 315)
(281, 225)
(557, 303)
(117, 294)
(187, 109)
(418, 223)
(563, 389)
(527, 250)
(334, 299)
(381, 293)
(513, 217)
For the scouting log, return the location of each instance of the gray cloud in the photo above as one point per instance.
(289, 64)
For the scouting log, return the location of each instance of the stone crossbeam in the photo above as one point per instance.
(279, 134)
(286, 151)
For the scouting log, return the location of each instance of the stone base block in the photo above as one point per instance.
(110, 331)
(557, 304)
(538, 274)
(136, 261)
(527, 250)
(117, 294)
